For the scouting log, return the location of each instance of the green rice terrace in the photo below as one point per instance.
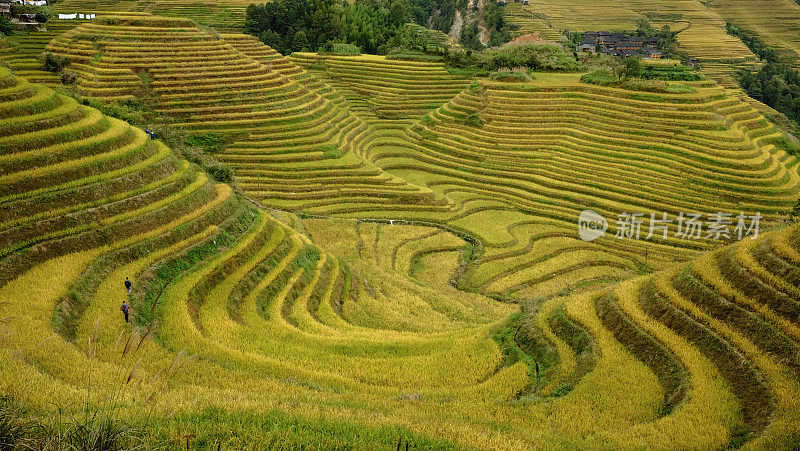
(336, 250)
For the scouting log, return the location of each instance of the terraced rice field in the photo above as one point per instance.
(527, 21)
(398, 259)
(775, 22)
(531, 149)
(221, 14)
(512, 165)
(383, 91)
(22, 53)
(348, 325)
(282, 118)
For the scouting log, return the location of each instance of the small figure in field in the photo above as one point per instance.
(125, 310)
(128, 285)
(147, 130)
(152, 135)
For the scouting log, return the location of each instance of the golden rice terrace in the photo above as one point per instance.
(402, 255)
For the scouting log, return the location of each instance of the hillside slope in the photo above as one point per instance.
(356, 341)
(294, 144)
(548, 150)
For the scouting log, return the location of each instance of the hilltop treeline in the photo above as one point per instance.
(776, 83)
(373, 25)
(755, 45)
(495, 22)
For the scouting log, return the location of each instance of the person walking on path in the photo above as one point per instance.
(128, 285)
(125, 310)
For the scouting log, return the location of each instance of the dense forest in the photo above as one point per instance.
(776, 83)
(375, 26)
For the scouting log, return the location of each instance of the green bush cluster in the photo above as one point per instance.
(602, 77)
(672, 73)
(210, 142)
(307, 258)
(546, 57)
(777, 85)
(331, 151)
(221, 173)
(605, 77)
(54, 63)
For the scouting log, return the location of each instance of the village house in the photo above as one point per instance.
(692, 62)
(618, 44)
(653, 54)
(5, 8)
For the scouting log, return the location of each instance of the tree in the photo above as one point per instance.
(470, 37)
(54, 63)
(40, 17)
(5, 27)
(272, 39)
(299, 41)
(755, 90)
(644, 29)
(400, 12)
(632, 67)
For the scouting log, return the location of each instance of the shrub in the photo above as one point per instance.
(602, 77)
(54, 63)
(68, 77)
(791, 147)
(534, 56)
(40, 17)
(307, 258)
(331, 151)
(672, 73)
(130, 111)
(632, 67)
(210, 142)
(5, 27)
(221, 173)
(474, 120)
